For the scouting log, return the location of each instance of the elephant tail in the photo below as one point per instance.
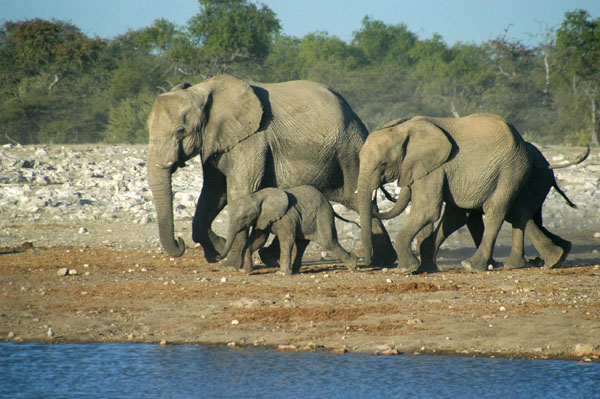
(345, 220)
(562, 194)
(582, 157)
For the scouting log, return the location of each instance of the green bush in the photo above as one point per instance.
(127, 120)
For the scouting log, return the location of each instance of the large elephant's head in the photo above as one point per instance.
(404, 151)
(208, 118)
(258, 210)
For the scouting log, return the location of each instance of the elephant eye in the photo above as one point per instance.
(179, 132)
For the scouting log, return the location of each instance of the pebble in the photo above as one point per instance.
(63, 271)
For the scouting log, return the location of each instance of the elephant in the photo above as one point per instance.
(252, 136)
(477, 162)
(296, 216)
(552, 248)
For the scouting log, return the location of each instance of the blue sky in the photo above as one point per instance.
(455, 20)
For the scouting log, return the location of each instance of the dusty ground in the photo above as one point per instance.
(89, 210)
(141, 295)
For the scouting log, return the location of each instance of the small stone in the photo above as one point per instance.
(72, 272)
(83, 230)
(389, 352)
(340, 351)
(50, 333)
(223, 279)
(413, 322)
(10, 335)
(583, 349)
(287, 348)
(63, 271)
(502, 309)
(163, 342)
(235, 322)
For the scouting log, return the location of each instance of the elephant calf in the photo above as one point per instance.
(296, 216)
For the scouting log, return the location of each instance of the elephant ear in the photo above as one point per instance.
(232, 112)
(427, 147)
(181, 86)
(393, 122)
(274, 205)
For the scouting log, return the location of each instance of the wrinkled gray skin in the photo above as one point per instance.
(296, 216)
(478, 162)
(552, 248)
(250, 137)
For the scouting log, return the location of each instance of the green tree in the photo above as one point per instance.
(385, 44)
(578, 49)
(40, 64)
(230, 30)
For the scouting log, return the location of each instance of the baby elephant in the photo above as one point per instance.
(296, 216)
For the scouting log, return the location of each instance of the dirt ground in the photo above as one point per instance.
(142, 295)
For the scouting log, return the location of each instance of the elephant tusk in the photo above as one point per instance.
(374, 195)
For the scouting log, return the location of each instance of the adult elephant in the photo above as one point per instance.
(251, 136)
(552, 248)
(475, 162)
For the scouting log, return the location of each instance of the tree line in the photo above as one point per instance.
(57, 85)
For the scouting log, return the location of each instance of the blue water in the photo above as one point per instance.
(31, 370)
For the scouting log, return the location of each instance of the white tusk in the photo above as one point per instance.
(374, 195)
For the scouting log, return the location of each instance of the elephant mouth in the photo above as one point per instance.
(182, 158)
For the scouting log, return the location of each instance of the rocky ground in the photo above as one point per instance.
(80, 261)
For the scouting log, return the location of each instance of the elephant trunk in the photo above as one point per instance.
(231, 234)
(399, 207)
(365, 208)
(160, 184)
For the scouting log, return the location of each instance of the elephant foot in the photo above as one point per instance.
(474, 265)
(210, 254)
(557, 256)
(268, 257)
(227, 267)
(351, 263)
(511, 264)
(408, 265)
(383, 258)
(231, 265)
(427, 267)
(286, 271)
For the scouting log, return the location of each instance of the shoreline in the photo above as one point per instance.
(142, 296)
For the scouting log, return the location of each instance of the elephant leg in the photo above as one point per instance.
(483, 255)
(552, 248)
(426, 208)
(300, 248)
(270, 255)
(256, 240)
(516, 259)
(383, 249)
(476, 227)
(212, 200)
(452, 219)
(244, 172)
(286, 243)
(347, 258)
